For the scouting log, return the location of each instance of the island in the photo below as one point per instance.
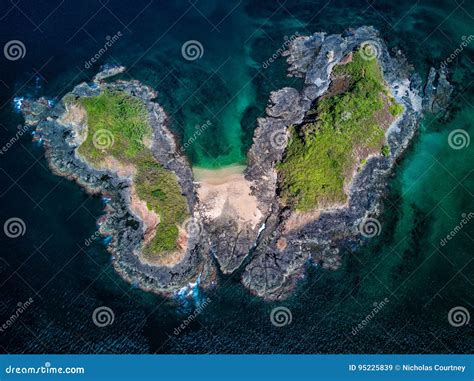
(311, 191)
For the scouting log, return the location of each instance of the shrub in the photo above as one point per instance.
(320, 154)
(126, 118)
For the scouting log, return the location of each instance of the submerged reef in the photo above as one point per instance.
(311, 191)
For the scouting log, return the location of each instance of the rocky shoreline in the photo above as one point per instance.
(281, 254)
(119, 222)
(270, 254)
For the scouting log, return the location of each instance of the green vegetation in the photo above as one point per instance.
(161, 191)
(117, 127)
(396, 109)
(117, 123)
(321, 154)
(385, 150)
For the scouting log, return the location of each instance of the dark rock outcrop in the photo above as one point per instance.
(278, 253)
(125, 228)
(437, 91)
(281, 254)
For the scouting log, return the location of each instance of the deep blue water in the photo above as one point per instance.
(433, 185)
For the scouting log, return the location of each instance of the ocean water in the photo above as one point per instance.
(407, 264)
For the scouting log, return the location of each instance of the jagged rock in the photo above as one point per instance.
(126, 228)
(278, 255)
(107, 71)
(437, 91)
(275, 268)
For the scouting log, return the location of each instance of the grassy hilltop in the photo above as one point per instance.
(118, 126)
(344, 127)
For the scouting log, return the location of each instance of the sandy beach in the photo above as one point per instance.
(225, 190)
(218, 176)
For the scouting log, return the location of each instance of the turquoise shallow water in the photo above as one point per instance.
(430, 190)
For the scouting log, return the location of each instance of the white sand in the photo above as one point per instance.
(224, 191)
